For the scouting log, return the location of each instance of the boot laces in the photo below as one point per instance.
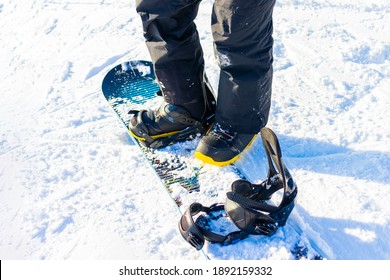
(223, 134)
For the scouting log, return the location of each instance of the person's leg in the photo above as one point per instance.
(242, 32)
(177, 56)
(173, 44)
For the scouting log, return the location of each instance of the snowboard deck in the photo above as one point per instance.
(132, 86)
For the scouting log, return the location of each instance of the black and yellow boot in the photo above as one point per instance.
(221, 147)
(170, 123)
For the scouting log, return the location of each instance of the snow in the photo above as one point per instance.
(73, 186)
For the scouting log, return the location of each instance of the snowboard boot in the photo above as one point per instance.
(170, 123)
(220, 147)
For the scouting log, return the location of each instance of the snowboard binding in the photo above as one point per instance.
(196, 234)
(170, 123)
(246, 203)
(173, 116)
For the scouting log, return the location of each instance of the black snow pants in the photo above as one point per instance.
(242, 34)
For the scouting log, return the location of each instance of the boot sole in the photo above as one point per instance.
(154, 136)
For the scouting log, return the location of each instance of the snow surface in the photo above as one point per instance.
(73, 186)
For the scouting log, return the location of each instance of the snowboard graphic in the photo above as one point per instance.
(132, 86)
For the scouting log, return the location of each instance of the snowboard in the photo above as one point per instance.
(132, 85)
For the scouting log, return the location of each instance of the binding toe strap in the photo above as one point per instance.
(138, 127)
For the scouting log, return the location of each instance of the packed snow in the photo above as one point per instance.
(74, 186)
